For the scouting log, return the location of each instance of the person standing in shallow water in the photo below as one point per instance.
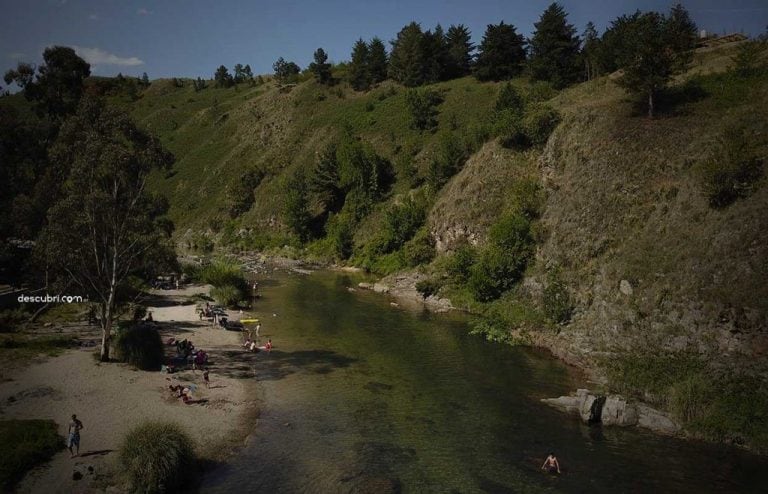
(73, 440)
(551, 464)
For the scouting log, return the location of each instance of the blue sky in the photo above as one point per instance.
(190, 38)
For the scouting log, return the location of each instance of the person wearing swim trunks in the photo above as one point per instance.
(551, 464)
(73, 440)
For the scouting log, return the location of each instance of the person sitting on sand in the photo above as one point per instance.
(247, 343)
(253, 347)
(268, 346)
(551, 464)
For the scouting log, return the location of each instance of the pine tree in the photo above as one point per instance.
(239, 73)
(248, 73)
(555, 48)
(435, 55)
(377, 61)
(359, 76)
(222, 77)
(460, 46)
(644, 52)
(407, 59)
(502, 53)
(285, 71)
(681, 35)
(589, 51)
(145, 80)
(321, 68)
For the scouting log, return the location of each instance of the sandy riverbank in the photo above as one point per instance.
(112, 398)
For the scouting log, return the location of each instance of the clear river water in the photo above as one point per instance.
(361, 396)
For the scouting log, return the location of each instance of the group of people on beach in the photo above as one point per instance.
(253, 345)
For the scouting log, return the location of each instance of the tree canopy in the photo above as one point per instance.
(554, 49)
(650, 49)
(501, 53)
(321, 68)
(106, 225)
(58, 85)
(285, 71)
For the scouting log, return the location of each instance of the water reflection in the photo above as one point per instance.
(361, 397)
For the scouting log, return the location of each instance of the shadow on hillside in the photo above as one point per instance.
(672, 101)
(274, 365)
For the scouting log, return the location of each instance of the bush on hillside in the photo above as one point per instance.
(428, 287)
(557, 301)
(140, 346)
(460, 263)
(420, 249)
(400, 224)
(539, 122)
(448, 160)
(339, 236)
(157, 457)
(732, 171)
(502, 262)
(495, 272)
(422, 107)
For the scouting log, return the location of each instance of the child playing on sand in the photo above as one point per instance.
(268, 346)
(205, 378)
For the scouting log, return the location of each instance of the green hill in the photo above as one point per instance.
(641, 245)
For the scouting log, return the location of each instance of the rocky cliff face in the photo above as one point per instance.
(650, 263)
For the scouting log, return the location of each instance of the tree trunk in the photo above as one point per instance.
(650, 104)
(105, 337)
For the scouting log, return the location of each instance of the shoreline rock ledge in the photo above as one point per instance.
(613, 410)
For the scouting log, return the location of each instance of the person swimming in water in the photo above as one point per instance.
(551, 464)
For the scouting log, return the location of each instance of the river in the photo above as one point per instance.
(361, 396)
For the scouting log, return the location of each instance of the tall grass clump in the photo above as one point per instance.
(26, 443)
(140, 346)
(157, 457)
(229, 284)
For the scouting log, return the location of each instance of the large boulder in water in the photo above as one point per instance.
(616, 411)
(655, 420)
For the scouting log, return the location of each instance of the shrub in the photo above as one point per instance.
(221, 273)
(140, 346)
(428, 287)
(422, 107)
(420, 249)
(157, 457)
(508, 125)
(748, 60)
(732, 171)
(401, 223)
(26, 443)
(557, 301)
(527, 198)
(340, 234)
(449, 159)
(495, 272)
(539, 122)
(228, 295)
(460, 263)
(503, 261)
(509, 99)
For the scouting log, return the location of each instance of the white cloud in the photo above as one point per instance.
(143, 11)
(97, 56)
(94, 17)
